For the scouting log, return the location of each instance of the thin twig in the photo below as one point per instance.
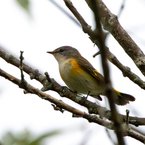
(121, 8)
(127, 117)
(23, 82)
(21, 66)
(65, 12)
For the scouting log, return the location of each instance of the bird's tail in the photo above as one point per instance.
(122, 98)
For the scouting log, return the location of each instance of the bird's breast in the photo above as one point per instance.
(69, 68)
(77, 79)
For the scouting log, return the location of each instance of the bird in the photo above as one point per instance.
(81, 77)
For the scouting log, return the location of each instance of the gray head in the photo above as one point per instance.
(64, 52)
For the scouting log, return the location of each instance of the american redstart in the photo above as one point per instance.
(81, 77)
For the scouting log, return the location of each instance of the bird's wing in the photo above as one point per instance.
(85, 65)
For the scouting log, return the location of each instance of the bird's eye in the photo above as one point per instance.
(61, 50)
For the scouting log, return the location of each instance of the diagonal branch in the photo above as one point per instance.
(111, 24)
(59, 103)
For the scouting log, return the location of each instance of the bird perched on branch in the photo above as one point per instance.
(81, 77)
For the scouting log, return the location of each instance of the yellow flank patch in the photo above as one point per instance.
(116, 92)
(75, 66)
(95, 72)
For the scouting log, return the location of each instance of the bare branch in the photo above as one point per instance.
(59, 103)
(136, 135)
(92, 107)
(111, 24)
(91, 118)
(126, 71)
(110, 95)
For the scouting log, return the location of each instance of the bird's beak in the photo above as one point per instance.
(51, 52)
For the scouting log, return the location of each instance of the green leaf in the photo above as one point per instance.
(39, 140)
(26, 137)
(25, 4)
